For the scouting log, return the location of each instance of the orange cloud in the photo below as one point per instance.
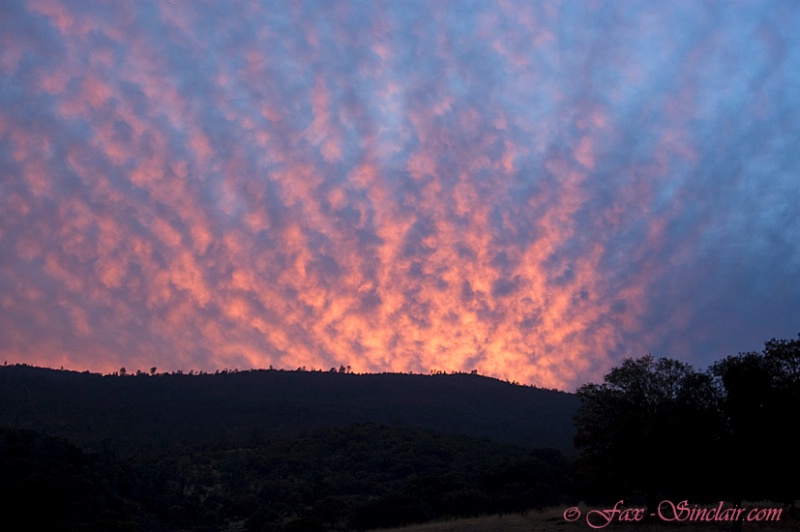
(498, 188)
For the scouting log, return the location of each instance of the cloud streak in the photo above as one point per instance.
(532, 190)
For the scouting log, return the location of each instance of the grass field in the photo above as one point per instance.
(552, 520)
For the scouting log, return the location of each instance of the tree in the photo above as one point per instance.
(761, 400)
(653, 427)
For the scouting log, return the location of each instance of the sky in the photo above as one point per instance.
(534, 190)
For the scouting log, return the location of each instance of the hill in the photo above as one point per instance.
(276, 450)
(91, 410)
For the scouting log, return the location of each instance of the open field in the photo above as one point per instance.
(552, 520)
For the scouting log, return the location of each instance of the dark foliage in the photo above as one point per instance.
(761, 406)
(279, 451)
(646, 429)
(359, 477)
(49, 484)
(660, 429)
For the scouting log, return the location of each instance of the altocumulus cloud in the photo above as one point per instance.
(533, 189)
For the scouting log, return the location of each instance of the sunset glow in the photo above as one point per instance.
(535, 190)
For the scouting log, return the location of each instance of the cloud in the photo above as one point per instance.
(536, 191)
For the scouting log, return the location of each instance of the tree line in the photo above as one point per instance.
(657, 428)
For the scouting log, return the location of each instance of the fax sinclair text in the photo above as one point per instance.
(672, 512)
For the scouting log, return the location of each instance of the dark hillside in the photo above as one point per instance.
(90, 409)
(278, 450)
(351, 478)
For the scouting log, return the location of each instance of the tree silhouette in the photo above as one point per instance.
(762, 398)
(648, 429)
